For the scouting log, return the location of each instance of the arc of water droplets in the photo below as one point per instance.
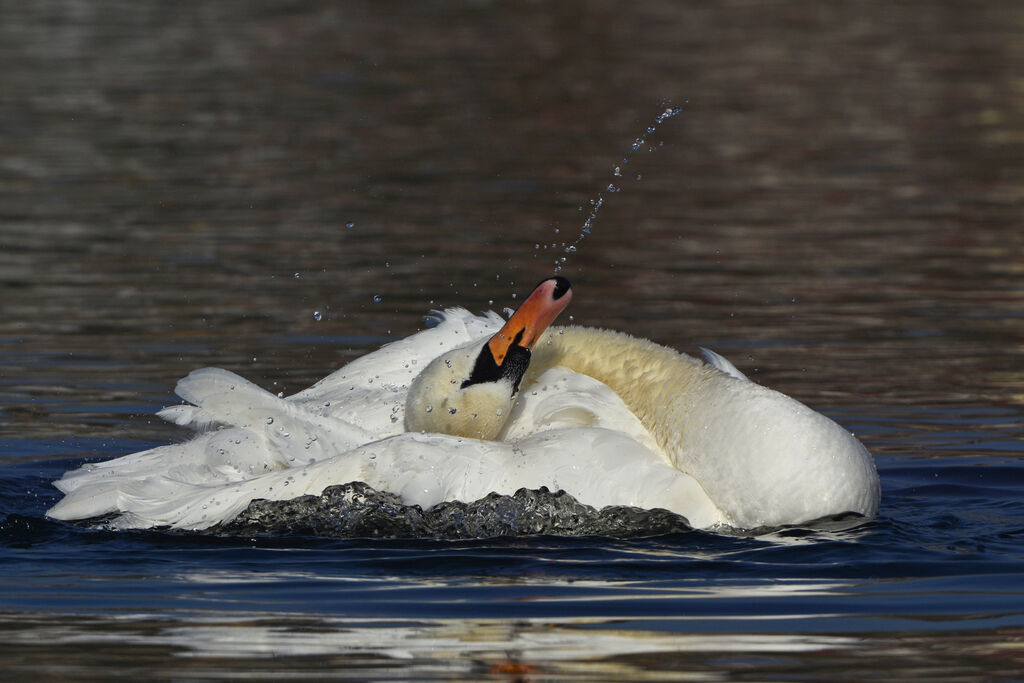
(596, 204)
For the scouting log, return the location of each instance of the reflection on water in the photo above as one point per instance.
(837, 210)
(486, 650)
(360, 650)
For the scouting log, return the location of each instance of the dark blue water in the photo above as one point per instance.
(837, 209)
(944, 561)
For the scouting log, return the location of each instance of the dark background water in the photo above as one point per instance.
(838, 209)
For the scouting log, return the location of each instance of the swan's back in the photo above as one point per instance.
(764, 458)
(768, 460)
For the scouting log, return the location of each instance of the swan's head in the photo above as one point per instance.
(469, 391)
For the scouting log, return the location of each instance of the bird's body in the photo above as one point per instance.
(609, 418)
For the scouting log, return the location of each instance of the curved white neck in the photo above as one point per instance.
(655, 382)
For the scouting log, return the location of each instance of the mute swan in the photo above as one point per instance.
(476, 405)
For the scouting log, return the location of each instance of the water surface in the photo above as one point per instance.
(837, 210)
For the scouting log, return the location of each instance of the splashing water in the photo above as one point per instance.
(596, 203)
(358, 510)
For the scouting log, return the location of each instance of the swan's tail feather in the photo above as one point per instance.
(219, 397)
(222, 398)
(189, 416)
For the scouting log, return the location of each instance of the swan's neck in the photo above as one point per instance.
(655, 382)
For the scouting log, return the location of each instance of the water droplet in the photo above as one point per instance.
(618, 171)
(280, 394)
(507, 312)
(447, 362)
(296, 276)
(377, 298)
(350, 225)
(451, 411)
(498, 412)
(639, 177)
(650, 129)
(387, 264)
(612, 188)
(430, 409)
(570, 249)
(318, 316)
(270, 420)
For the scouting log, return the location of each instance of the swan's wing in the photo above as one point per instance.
(161, 474)
(596, 466)
(719, 362)
(370, 391)
(168, 477)
(184, 487)
(194, 498)
(262, 434)
(220, 397)
(561, 398)
(768, 460)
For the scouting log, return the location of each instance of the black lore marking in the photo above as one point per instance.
(486, 369)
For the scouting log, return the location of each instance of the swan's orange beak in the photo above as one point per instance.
(540, 309)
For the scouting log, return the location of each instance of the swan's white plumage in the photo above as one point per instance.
(721, 363)
(609, 418)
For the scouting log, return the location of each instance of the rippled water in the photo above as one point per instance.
(837, 209)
